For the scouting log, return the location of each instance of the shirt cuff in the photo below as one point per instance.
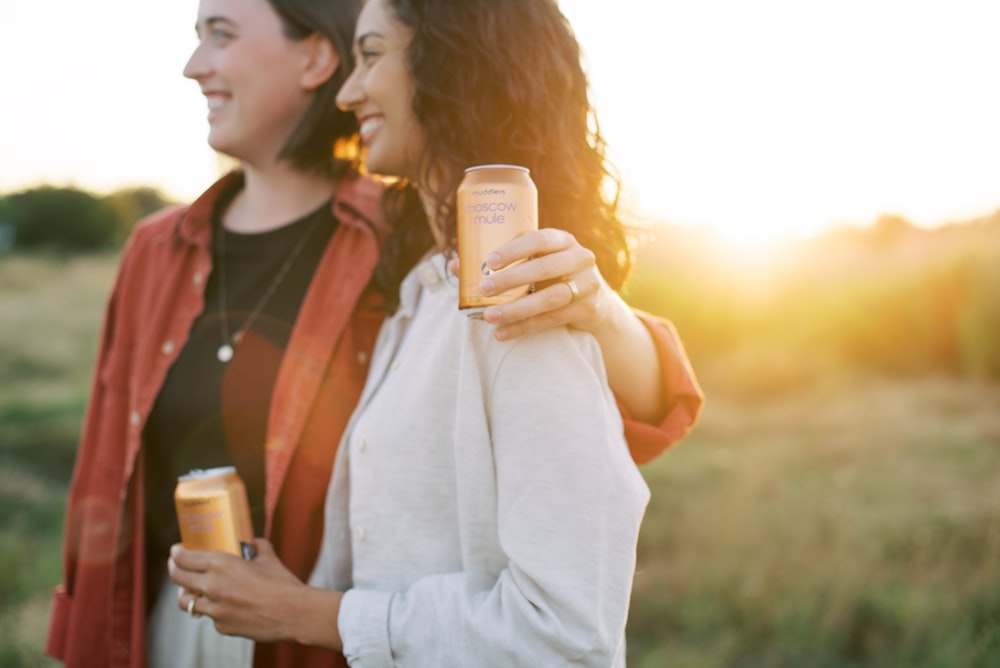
(682, 396)
(363, 622)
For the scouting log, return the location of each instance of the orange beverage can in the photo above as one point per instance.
(495, 204)
(213, 512)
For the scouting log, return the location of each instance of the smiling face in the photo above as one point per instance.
(252, 76)
(380, 92)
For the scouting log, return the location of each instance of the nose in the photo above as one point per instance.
(351, 93)
(197, 66)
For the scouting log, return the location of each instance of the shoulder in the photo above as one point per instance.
(162, 220)
(552, 352)
(156, 225)
(145, 250)
(573, 345)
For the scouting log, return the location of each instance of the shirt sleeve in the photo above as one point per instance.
(682, 397)
(569, 503)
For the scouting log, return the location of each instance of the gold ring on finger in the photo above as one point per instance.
(574, 291)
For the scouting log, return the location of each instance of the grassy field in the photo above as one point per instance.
(837, 520)
(852, 524)
(48, 333)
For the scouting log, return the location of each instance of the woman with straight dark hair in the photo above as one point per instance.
(239, 333)
(484, 507)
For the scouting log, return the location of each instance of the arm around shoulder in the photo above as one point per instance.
(656, 388)
(682, 397)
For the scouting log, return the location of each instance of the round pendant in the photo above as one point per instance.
(225, 353)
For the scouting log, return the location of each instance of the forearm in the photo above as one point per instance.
(633, 366)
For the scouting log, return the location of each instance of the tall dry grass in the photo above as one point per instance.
(844, 524)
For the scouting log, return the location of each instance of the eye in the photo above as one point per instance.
(220, 36)
(366, 56)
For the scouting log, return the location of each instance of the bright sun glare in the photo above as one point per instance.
(779, 118)
(760, 120)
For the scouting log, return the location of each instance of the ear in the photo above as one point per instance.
(320, 61)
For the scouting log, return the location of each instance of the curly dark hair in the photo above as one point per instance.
(501, 81)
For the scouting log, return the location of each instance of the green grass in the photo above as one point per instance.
(817, 517)
(48, 334)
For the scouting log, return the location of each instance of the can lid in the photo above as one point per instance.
(496, 166)
(198, 474)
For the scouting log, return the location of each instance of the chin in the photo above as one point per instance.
(219, 142)
(387, 168)
(374, 165)
(216, 145)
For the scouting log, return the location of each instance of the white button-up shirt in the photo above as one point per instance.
(484, 508)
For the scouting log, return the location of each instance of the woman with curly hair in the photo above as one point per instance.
(484, 507)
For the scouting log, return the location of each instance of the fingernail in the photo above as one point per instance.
(493, 261)
(486, 286)
(492, 314)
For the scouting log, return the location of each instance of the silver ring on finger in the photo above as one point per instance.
(190, 608)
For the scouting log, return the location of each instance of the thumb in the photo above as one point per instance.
(453, 266)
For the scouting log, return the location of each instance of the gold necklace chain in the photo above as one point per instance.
(227, 349)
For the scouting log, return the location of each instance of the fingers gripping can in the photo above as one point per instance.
(213, 512)
(495, 204)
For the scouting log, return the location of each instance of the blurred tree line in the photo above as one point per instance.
(889, 298)
(66, 219)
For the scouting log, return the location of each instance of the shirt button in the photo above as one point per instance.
(394, 366)
(135, 418)
(360, 534)
(362, 357)
(168, 348)
(362, 445)
(197, 278)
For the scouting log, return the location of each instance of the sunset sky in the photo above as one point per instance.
(755, 118)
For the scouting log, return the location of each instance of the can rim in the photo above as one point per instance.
(496, 166)
(198, 474)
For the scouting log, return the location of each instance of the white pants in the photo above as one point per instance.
(177, 640)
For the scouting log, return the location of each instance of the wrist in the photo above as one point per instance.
(616, 320)
(315, 620)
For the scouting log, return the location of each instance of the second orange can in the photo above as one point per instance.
(213, 512)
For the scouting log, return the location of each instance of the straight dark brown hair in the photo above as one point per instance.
(311, 146)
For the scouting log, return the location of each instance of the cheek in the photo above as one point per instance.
(274, 97)
(415, 138)
(230, 65)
